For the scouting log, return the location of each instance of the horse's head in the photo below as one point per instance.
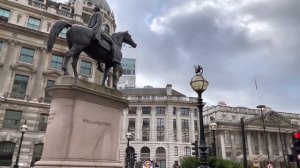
(128, 40)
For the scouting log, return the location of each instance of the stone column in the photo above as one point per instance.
(153, 125)
(178, 122)
(192, 130)
(270, 144)
(260, 147)
(83, 126)
(279, 142)
(38, 80)
(169, 124)
(249, 143)
(223, 149)
(139, 124)
(10, 57)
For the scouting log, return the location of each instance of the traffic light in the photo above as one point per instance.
(296, 145)
(195, 149)
(132, 159)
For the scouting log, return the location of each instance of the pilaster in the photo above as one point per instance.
(222, 140)
(138, 128)
(249, 143)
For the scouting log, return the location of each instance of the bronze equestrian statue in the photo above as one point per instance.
(95, 23)
(81, 38)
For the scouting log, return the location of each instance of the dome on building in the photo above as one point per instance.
(102, 3)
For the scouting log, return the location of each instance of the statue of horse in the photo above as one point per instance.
(80, 38)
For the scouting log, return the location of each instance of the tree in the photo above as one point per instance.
(193, 162)
(189, 162)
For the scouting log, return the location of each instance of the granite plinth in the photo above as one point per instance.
(83, 126)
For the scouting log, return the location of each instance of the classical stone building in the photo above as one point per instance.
(163, 122)
(26, 68)
(275, 140)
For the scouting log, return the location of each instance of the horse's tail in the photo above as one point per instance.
(55, 30)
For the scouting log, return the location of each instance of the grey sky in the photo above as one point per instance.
(235, 41)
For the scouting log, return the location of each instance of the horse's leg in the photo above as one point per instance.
(115, 76)
(74, 65)
(75, 50)
(107, 67)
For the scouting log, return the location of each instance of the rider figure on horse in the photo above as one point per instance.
(95, 23)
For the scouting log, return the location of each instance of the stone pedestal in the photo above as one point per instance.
(83, 126)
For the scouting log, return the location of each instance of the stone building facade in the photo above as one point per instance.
(276, 139)
(26, 68)
(163, 121)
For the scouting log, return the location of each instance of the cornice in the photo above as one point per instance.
(23, 67)
(53, 73)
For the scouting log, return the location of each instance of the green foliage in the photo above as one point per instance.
(193, 162)
(189, 162)
(220, 163)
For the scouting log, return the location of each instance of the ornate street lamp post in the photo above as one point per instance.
(199, 84)
(128, 136)
(213, 127)
(24, 128)
(261, 107)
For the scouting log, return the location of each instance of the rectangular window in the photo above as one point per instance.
(43, 122)
(145, 135)
(26, 55)
(85, 68)
(185, 125)
(160, 124)
(146, 124)
(12, 119)
(195, 113)
(19, 87)
(233, 118)
(1, 45)
(160, 136)
(185, 111)
(131, 124)
(132, 110)
(174, 110)
(196, 125)
(174, 125)
(146, 110)
(160, 110)
(227, 138)
(33, 23)
(4, 14)
(63, 33)
(56, 62)
(185, 137)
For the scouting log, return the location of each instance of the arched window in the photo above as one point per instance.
(175, 151)
(6, 153)
(161, 157)
(187, 151)
(145, 154)
(37, 153)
